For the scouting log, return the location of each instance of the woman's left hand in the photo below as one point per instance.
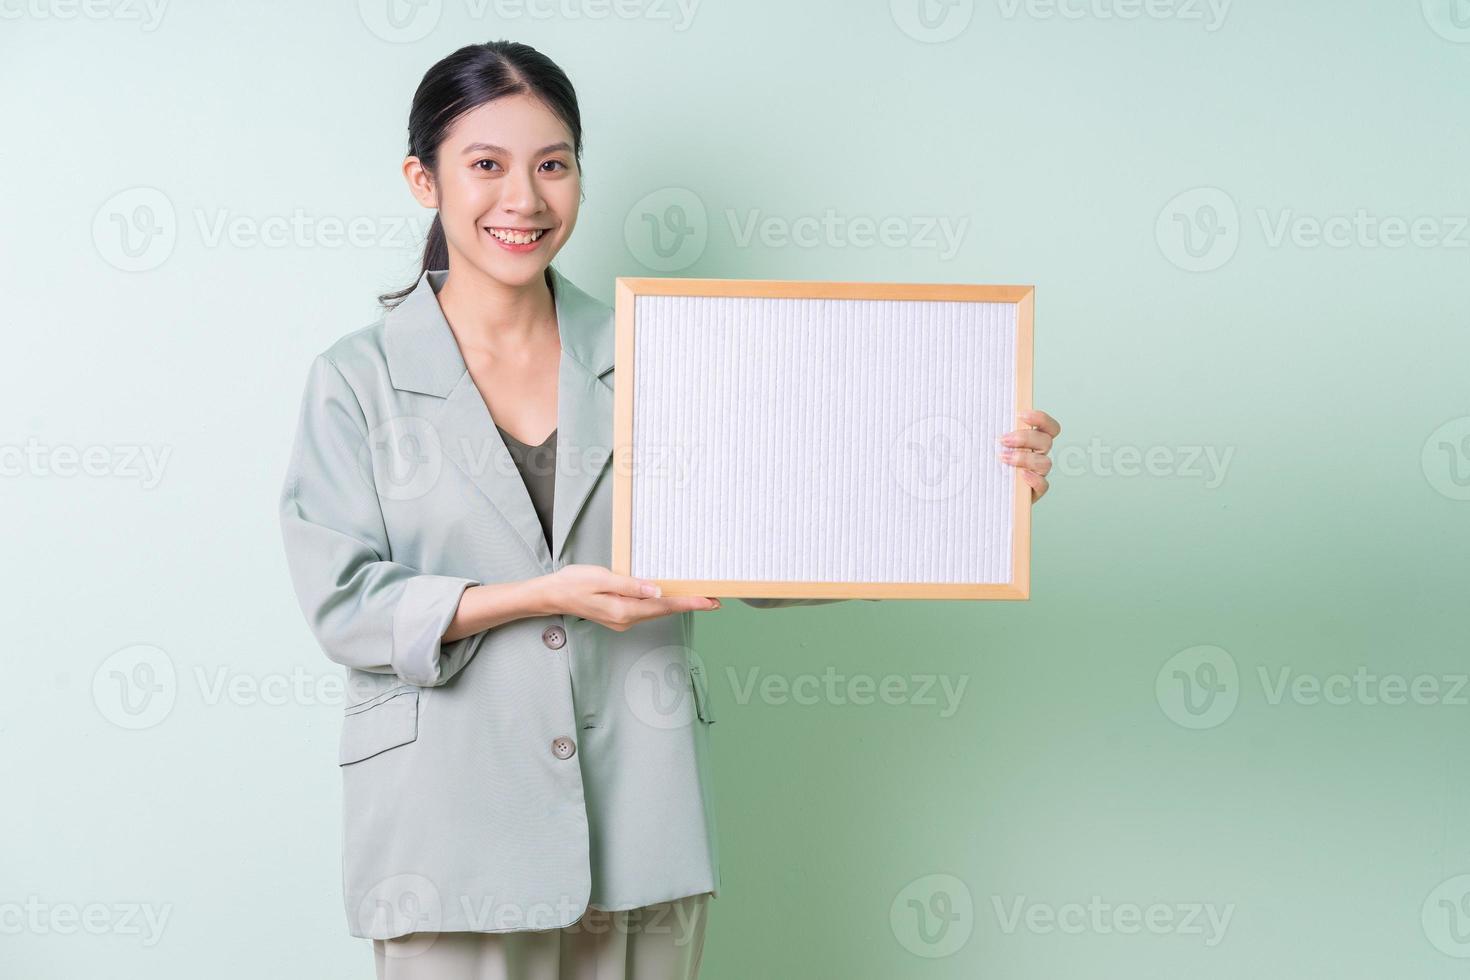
(1028, 448)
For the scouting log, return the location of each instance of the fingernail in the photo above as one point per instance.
(650, 589)
(714, 603)
(1007, 440)
(1009, 455)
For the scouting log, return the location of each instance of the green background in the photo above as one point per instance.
(1083, 763)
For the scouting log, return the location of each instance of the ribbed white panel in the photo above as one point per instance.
(822, 440)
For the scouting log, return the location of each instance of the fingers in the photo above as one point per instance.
(1026, 459)
(1027, 439)
(1037, 482)
(1029, 448)
(630, 585)
(648, 598)
(1042, 421)
(620, 612)
(682, 603)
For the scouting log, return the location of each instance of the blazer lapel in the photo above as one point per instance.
(584, 410)
(423, 356)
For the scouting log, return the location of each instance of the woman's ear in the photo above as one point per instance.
(420, 182)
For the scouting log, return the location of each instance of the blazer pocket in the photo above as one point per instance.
(701, 694)
(385, 722)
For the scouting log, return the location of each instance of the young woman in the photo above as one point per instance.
(524, 749)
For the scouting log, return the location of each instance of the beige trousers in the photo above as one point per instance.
(656, 942)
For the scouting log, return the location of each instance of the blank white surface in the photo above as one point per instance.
(822, 440)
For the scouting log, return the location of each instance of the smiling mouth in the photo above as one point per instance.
(512, 237)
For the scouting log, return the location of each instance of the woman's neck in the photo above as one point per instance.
(489, 317)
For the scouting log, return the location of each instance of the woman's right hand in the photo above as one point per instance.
(615, 601)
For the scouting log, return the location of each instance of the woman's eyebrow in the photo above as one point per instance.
(492, 148)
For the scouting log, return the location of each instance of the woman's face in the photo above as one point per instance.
(506, 174)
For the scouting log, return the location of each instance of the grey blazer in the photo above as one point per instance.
(510, 779)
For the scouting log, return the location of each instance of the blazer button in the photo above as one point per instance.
(554, 637)
(563, 747)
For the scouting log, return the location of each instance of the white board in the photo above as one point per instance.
(833, 445)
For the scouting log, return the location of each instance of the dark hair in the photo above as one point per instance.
(469, 78)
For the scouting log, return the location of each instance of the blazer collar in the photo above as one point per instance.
(423, 356)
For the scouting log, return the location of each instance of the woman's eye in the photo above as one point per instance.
(478, 162)
(557, 163)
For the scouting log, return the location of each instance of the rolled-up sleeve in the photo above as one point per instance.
(365, 611)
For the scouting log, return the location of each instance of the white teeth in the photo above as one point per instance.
(517, 237)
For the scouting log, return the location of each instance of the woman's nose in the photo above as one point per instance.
(520, 194)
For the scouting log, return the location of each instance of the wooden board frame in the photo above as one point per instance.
(628, 289)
